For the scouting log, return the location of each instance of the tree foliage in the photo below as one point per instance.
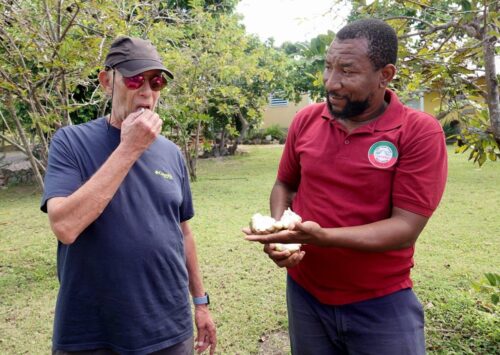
(309, 58)
(51, 55)
(449, 47)
(223, 79)
(47, 51)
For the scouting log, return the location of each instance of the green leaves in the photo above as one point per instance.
(489, 286)
(308, 59)
(442, 49)
(477, 137)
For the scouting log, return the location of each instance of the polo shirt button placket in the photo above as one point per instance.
(347, 141)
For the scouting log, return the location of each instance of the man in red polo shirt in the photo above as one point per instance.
(365, 173)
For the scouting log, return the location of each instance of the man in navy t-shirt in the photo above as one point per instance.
(118, 199)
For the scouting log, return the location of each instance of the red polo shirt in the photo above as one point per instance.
(344, 179)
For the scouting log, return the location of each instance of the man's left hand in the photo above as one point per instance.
(304, 233)
(206, 336)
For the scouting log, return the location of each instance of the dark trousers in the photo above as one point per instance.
(184, 348)
(389, 325)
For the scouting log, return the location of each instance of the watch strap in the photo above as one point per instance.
(201, 300)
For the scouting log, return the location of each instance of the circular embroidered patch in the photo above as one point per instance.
(383, 154)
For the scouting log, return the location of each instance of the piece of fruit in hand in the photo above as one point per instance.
(262, 224)
(288, 218)
(292, 247)
(265, 224)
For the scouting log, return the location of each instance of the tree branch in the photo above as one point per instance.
(49, 20)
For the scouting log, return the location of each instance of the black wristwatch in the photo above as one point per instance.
(201, 300)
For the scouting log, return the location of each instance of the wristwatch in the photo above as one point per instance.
(201, 300)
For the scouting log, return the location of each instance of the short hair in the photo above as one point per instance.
(382, 40)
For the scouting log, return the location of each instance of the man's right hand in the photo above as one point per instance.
(140, 129)
(283, 258)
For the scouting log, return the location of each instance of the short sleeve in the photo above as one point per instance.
(421, 174)
(289, 167)
(63, 175)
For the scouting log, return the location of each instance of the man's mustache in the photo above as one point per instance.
(336, 95)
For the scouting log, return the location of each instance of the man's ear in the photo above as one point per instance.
(387, 73)
(106, 81)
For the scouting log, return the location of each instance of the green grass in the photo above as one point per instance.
(460, 243)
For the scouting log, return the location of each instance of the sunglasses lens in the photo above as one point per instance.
(134, 82)
(158, 82)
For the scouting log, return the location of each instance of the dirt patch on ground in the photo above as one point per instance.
(276, 343)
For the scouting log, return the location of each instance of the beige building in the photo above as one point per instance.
(281, 112)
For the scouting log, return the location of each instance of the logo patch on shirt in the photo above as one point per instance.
(383, 154)
(164, 174)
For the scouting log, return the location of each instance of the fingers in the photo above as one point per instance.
(292, 260)
(273, 254)
(141, 128)
(151, 119)
(145, 115)
(283, 236)
(299, 227)
(206, 329)
(283, 258)
(204, 340)
(249, 231)
(133, 116)
(201, 345)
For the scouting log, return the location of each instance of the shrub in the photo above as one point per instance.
(276, 132)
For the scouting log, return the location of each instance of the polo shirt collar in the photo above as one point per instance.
(393, 115)
(391, 118)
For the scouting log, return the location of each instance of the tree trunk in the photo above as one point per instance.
(64, 98)
(194, 158)
(27, 148)
(244, 128)
(222, 143)
(38, 109)
(187, 157)
(492, 86)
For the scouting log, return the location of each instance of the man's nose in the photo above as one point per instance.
(145, 89)
(332, 80)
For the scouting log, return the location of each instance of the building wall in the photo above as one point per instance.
(283, 115)
(431, 102)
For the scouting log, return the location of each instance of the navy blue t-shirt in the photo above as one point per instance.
(123, 282)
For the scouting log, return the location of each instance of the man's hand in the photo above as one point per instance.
(303, 233)
(283, 258)
(140, 129)
(206, 336)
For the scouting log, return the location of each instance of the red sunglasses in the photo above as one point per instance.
(156, 83)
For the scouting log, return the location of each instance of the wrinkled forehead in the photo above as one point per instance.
(348, 49)
(356, 46)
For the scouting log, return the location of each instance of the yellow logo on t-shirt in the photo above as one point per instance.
(164, 174)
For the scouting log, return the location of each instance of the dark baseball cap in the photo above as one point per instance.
(132, 56)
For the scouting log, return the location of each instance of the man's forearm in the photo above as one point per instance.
(399, 231)
(69, 216)
(281, 199)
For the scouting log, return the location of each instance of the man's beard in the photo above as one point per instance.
(351, 108)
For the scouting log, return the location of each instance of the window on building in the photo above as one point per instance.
(276, 101)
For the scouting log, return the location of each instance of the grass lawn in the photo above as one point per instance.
(460, 243)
